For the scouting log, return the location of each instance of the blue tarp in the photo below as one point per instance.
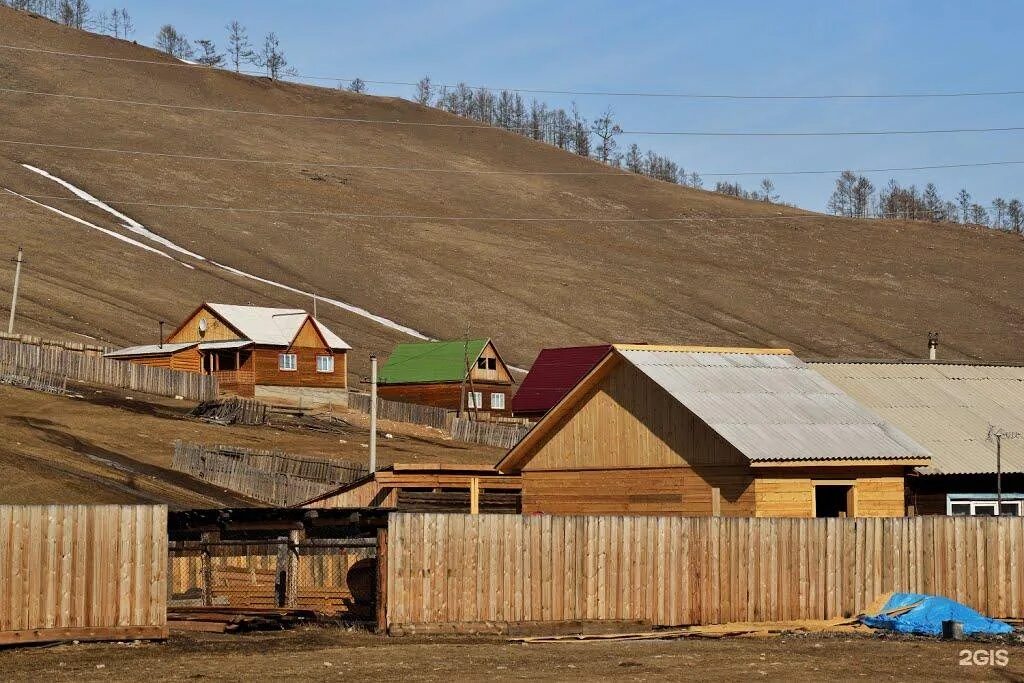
(926, 618)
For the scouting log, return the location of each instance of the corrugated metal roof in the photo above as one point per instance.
(221, 345)
(553, 374)
(273, 326)
(431, 361)
(149, 350)
(773, 406)
(945, 407)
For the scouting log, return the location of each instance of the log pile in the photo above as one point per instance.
(232, 620)
(232, 411)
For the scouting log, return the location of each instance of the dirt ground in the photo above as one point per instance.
(114, 446)
(333, 654)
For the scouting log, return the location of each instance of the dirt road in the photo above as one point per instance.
(335, 654)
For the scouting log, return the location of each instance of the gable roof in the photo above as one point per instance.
(273, 326)
(767, 403)
(433, 361)
(946, 407)
(553, 374)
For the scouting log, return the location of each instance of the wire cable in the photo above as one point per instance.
(482, 126)
(610, 172)
(553, 91)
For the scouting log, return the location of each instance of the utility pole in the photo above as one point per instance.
(373, 413)
(161, 334)
(14, 297)
(997, 434)
(314, 306)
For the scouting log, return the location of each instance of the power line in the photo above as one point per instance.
(553, 91)
(610, 172)
(415, 217)
(483, 126)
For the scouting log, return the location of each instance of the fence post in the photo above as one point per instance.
(382, 581)
(206, 538)
(295, 536)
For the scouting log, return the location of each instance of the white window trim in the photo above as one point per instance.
(501, 397)
(474, 400)
(281, 365)
(330, 361)
(983, 499)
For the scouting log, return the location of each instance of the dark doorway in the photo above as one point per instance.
(833, 500)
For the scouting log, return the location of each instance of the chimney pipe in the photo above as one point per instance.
(933, 344)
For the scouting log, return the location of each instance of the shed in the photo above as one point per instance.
(704, 430)
(949, 409)
(467, 374)
(552, 375)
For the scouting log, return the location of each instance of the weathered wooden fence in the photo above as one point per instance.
(32, 378)
(113, 373)
(82, 572)
(401, 412)
(470, 569)
(80, 347)
(501, 434)
(268, 476)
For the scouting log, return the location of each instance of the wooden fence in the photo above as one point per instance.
(80, 367)
(470, 569)
(501, 434)
(80, 347)
(401, 412)
(268, 476)
(31, 378)
(82, 572)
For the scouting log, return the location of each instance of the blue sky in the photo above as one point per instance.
(718, 47)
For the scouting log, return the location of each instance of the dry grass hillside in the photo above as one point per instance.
(820, 285)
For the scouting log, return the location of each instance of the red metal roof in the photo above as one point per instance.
(553, 374)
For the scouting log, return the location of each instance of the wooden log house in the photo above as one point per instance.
(251, 347)
(448, 374)
(711, 431)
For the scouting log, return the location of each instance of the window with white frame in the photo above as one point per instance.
(287, 361)
(475, 399)
(497, 401)
(325, 363)
(984, 505)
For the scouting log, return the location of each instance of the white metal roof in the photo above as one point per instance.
(149, 350)
(773, 406)
(273, 326)
(222, 345)
(946, 407)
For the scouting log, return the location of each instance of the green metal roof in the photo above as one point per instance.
(424, 362)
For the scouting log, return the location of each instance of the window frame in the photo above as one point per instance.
(495, 394)
(282, 366)
(327, 357)
(984, 500)
(474, 397)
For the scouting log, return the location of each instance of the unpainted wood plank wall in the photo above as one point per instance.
(452, 568)
(83, 567)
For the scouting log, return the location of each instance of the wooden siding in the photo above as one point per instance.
(82, 572)
(878, 492)
(265, 365)
(500, 375)
(217, 329)
(658, 491)
(474, 569)
(446, 395)
(308, 336)
(628, 421)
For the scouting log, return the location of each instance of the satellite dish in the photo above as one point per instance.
(202, 326)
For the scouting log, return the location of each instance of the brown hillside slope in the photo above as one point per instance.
(820, 285)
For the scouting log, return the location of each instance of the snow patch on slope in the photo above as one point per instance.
(130, 224)
(115, 235)
(138, 228)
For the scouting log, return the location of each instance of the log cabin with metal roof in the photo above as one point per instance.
(464, 375)
(252, 350)
(711, 431)
(954, 410)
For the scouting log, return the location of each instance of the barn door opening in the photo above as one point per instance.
(833, 500)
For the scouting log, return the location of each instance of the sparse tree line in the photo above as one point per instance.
(79, 14)
(240, 51)
(855, 196)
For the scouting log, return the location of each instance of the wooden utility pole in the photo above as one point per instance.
(997, 434)
(373, 413)
(14, 296)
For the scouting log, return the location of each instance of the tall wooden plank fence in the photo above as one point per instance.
(82, 572)
(472, 569)
(500, 434)
(431, 416)
(80, 367)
